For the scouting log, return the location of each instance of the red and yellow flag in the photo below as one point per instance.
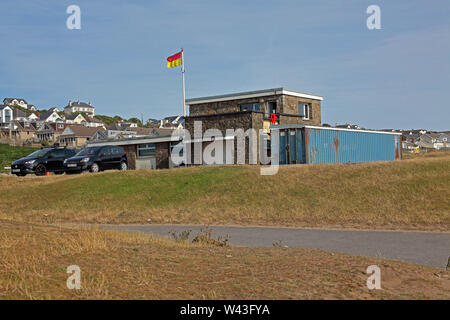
(174, 61)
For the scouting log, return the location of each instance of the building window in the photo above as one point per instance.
(173, 144)
(7, 116)
(271, 108)
(304, 110)
(249, 107)
(146, 150)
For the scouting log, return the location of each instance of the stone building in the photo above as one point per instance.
(253, 110)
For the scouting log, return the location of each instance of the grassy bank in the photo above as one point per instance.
(9, 154)
(34, 258)
(409, 194)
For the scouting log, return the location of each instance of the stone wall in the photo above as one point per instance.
(290, 107)
(235, 120)
(162, 155)
(286, 106)
(131, 151)
(229, 106)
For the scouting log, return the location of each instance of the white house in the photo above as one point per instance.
(6, 115)
(33, 117)
(77, 106)
(50, 116)
(75, 118)
(16, 102)
(94, 123)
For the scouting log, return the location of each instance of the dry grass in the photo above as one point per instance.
(410, 194)
(34, 258)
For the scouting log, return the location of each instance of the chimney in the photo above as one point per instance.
(70, 102)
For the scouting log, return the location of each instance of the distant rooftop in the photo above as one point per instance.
(253, 94)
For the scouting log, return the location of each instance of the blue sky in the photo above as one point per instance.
(398, 76)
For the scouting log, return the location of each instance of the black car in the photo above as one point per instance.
(42, 161)
(95, 159)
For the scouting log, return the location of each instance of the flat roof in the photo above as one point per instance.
(135, 140)
(295, 126)
(253, 94)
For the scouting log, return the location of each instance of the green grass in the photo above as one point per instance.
(409, 194)
(9, 154)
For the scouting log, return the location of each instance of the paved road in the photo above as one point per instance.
(423, 248)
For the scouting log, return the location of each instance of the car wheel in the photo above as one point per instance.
(123, 166)
(95, 168)
(41, 170)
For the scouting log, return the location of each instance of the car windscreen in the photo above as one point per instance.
(89, 151)
(39, 153)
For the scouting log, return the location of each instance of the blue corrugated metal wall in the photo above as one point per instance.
(340, 146)
(283, 148)
(301, 155)
(317, 145)
(292, 146)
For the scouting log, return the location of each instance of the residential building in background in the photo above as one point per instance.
(434, 141)
(51, 116)
(50, 131)
(6, 115)
(75, 118)
(94, 122)
(76, 135)
(77, 107)
(12, 102)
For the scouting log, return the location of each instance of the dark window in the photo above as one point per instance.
(117, 150)
(7, 116)
(106, 151)
(304, 110)
(58, 153)
(249, 107)
(146, 150)
(271, 108)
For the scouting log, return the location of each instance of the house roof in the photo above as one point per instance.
(9, 100)
(152, 131)
(78, 104)
(22, 126)
(119, 126)
(252, 94)
(53, 127)
(171, 118)
(137, 140)
(45, 115)
(432, 135)
(73, 116)
(78, 130)
(3, 106)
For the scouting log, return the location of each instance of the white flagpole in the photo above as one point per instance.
(182, 75)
